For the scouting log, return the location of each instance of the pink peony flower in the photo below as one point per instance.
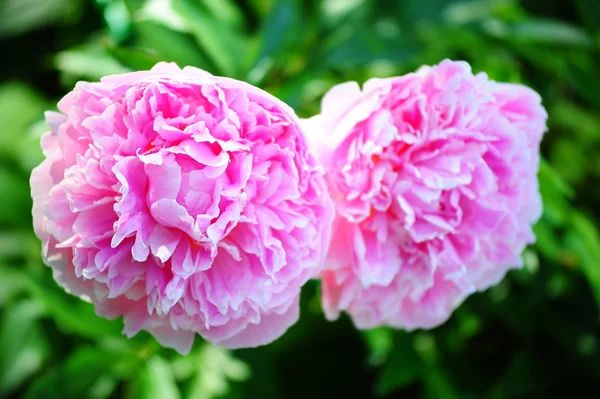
(434, 179)
(185, 202)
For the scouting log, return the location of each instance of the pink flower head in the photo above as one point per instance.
(185, 202)
(434, 179)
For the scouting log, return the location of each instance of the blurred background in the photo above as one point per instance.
(536, 335)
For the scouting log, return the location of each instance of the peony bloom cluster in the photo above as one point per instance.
(185, 202)
(434, 179)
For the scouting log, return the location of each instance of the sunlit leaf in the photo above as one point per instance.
(118, 19)
(226, 11)
(217, 369)
(336, 11)
(156, 381)
(468, 11)
(380, 343)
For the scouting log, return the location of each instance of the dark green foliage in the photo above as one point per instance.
(535, 335)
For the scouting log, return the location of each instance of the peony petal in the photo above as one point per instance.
(186, 203)
(433, 177)
(270, 327)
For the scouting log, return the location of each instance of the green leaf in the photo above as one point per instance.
(425, 346)
(540, 31)
(547, 241)
(439, 385)
(522, 376)
(225, 11)
(403, 367)
(558, 184)
(138, 59)
(582, 122)
(584, 240)
(20, 16)
(216, 368)
(222, 41)
(11, 283)
(118, 19)
(363, 46)
(185, 366)
(547, 31)
(586, 80)
(29, 150)
(380, 343)
(155, 381)
(72, 314)
(21, 246)
(465, 12)
(169, 45)
(88, 372)
(23, 348)
(589, 11)
(47, 386)
(163, 13)
(280, 27)
(568, 157)
(338, 11)
(262, 7)
(87, 62)
(293, 91)
(20, 107)
(411, 12)
(555, 193)
(16, 203)
(133, 5)
(88, 367)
